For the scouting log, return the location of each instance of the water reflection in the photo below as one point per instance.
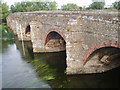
(28, 49)
(5, 45)
(48, 66)
(48, 70)
(16, 72)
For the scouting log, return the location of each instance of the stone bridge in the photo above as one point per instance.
(80, 33)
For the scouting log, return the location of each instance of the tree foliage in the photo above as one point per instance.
(33, 6)
(97, 5)
(4, 11)
(116, 5)
(71, 6)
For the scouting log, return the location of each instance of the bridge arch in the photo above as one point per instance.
(55, 41)
(27, 29)
(98, 47)
(55, 31)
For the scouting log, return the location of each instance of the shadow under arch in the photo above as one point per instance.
(55, 42)
(54, 35)
(108, 43)
(110, 52)
(27, 29)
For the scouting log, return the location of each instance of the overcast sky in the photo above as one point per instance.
(61, 2)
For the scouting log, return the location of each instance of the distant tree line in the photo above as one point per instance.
(71, 6)
(27, 6)
(97, 5)
(47, 5)
(33, 6)
(94, 6)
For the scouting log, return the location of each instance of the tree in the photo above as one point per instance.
(33, 6)
(53, 5)
(97, 5)
(116, 5)
(4, 12)
(71, 6)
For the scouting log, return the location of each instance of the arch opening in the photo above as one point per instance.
(55, 42)
(27, 30)
(104, 55)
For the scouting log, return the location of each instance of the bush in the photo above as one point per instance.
(97, 5)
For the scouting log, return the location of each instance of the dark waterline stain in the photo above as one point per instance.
(47, 70)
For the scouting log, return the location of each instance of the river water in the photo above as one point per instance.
(46, 70)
